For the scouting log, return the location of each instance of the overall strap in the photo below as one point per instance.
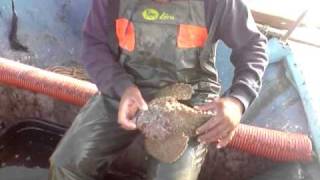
(207, 55)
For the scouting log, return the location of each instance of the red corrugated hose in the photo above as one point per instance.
(59, 86)
(272, 144)
(275, 145)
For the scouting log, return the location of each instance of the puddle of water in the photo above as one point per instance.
(10, 173)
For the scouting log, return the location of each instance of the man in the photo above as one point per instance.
(131, 49)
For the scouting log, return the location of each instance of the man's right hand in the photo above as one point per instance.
(131, 102)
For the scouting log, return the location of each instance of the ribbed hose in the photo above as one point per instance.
(58, 86)
(275, 145)
(272, 144)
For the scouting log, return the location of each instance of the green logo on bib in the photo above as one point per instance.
(150, 14)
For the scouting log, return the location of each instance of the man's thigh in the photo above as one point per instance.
(93, 139)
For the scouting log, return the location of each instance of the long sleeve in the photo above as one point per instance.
(239, 31)
(99, 49)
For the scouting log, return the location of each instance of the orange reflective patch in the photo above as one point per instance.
(125, 34)
(191, 36)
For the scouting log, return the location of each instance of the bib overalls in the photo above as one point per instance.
(161, 44)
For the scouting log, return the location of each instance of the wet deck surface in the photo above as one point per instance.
(23, 173)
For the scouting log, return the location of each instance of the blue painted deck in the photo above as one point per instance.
(290, 97)
(303, 64)
(279, 105)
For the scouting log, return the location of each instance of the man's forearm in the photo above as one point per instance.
(250, 64)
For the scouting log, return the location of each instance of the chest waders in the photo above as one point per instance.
(161, 44)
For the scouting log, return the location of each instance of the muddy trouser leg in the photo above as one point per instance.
(186, 168)
(91, 142)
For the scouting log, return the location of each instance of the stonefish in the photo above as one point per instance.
(168, 124)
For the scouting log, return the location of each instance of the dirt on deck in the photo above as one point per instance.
(17, 104)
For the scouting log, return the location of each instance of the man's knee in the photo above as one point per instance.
(66, 166)
(58, 166)
(187, 167)
(60, 160)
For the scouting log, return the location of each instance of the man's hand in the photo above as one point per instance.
(221, 127)
(131, 102)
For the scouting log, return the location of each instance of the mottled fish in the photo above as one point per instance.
(168, 124)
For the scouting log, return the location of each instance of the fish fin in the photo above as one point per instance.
(169, 150)
(179, 91)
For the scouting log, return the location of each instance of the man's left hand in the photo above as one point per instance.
(221, 127)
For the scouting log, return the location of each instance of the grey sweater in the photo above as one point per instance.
(237, 29)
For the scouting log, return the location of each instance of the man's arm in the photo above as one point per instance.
(99, 51)
(239, 31)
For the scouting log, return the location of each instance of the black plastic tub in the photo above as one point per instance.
(25, 148)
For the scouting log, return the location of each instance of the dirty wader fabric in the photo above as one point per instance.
(162, 44)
